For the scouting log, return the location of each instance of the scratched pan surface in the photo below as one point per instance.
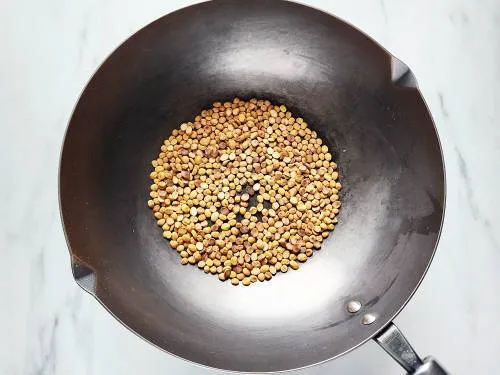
(363, 103)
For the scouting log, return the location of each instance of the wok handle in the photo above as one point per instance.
(84, 276)
(393, 342)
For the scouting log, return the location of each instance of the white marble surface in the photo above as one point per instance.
(48, 50)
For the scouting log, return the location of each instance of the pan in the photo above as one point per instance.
(361, 100)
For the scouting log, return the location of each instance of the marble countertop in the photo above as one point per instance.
(49, 49)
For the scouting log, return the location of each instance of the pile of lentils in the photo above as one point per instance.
(245, 191)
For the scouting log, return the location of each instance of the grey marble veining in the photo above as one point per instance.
(48, 326)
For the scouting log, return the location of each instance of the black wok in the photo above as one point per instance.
(365, 105)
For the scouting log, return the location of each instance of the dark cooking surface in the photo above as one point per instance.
(380, 132)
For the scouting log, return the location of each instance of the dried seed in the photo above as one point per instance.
(302, 257)
(206, 174)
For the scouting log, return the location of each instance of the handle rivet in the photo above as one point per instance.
(368, 319)
(353, 306)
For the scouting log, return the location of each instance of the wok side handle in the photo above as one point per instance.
(84, 276)
(392, 340)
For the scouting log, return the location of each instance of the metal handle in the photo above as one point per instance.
(393, 342)
(84, 276)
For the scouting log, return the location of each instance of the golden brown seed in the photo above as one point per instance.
(302, 257)
(206, 174)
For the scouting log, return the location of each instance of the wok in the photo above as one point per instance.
(365, 105)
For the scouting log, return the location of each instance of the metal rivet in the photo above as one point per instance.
(368, 319)
(353, 306)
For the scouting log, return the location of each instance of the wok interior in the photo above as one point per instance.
(382, 138)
